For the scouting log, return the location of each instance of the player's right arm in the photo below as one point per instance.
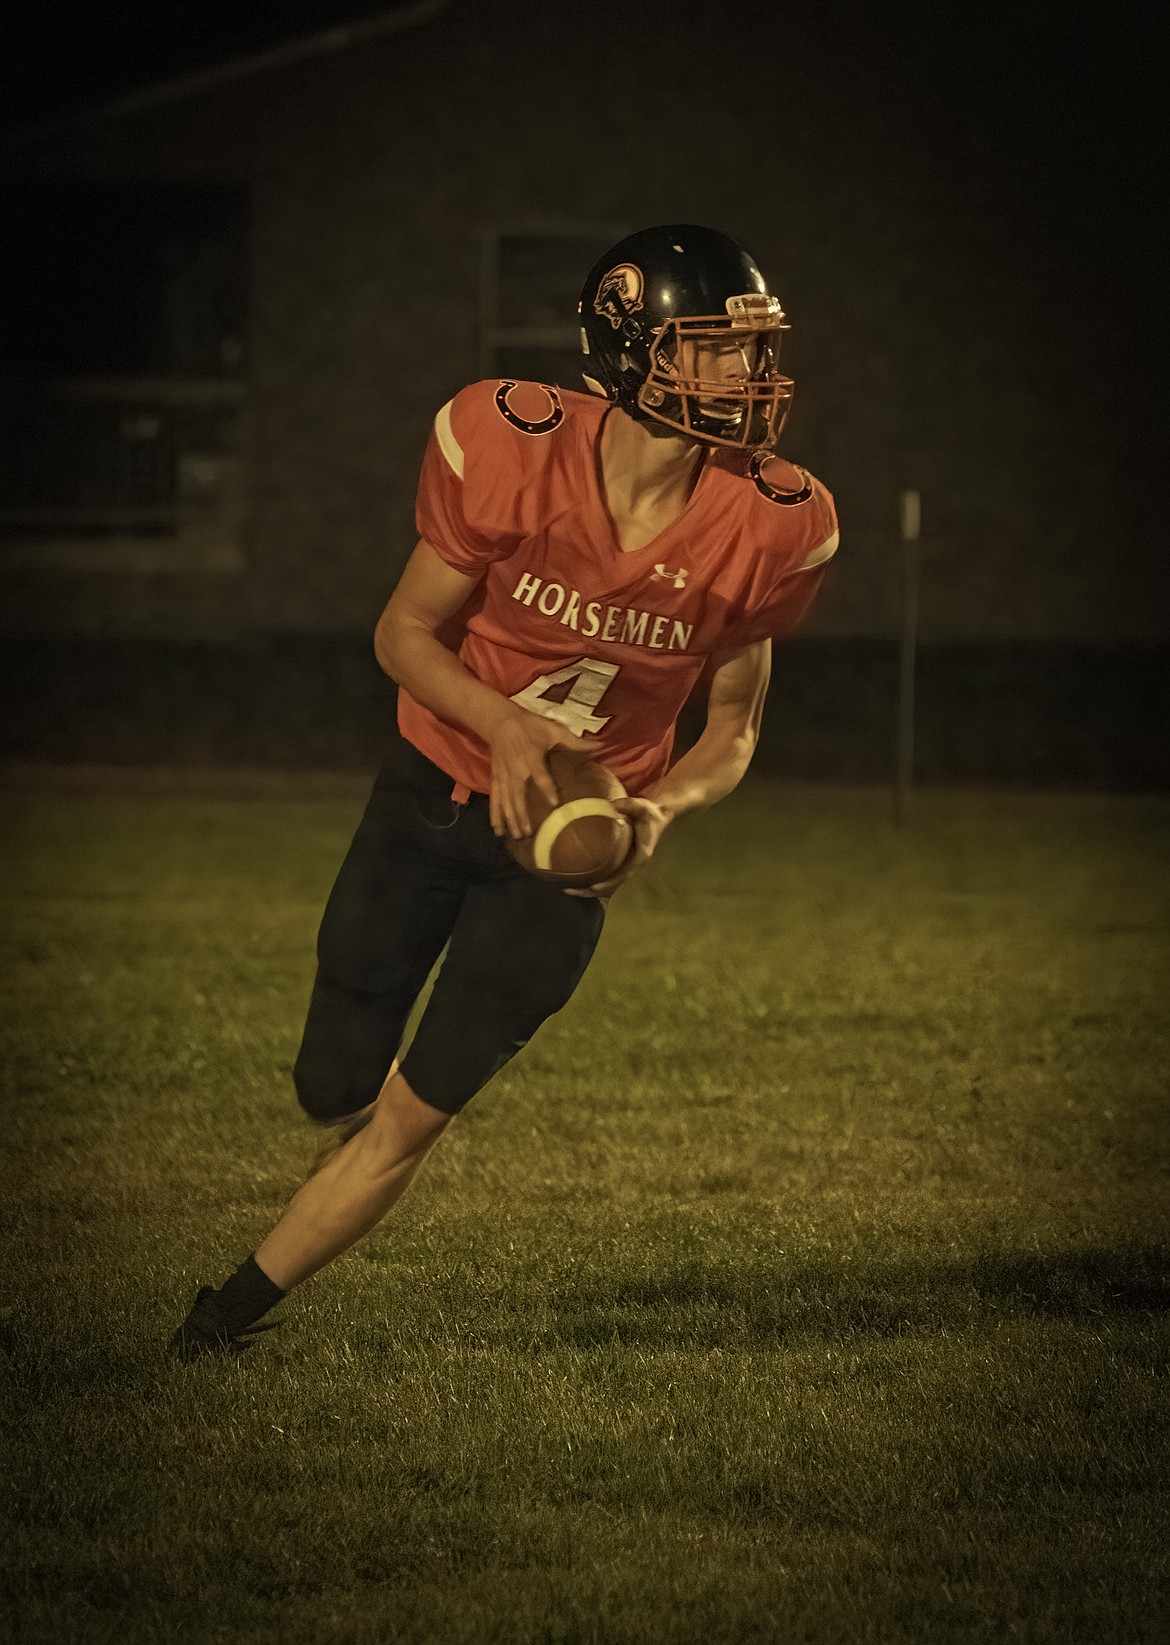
(429, 593)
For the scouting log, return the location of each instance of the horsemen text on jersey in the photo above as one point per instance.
(610, 622)
(562, 620)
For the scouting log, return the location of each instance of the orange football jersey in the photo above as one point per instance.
(567, 624)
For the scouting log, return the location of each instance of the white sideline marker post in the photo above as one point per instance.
(904, 775)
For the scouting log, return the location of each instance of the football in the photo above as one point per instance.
(582, 840)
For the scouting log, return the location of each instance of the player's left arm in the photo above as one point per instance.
(712, 768)
(735, 709)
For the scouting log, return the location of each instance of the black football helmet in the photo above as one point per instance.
(678, 328)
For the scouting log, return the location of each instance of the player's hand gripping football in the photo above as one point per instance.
(649, 823)
(519, 746)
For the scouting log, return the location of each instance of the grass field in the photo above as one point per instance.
(806, 1280)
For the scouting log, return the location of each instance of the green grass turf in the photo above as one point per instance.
(805, 1280)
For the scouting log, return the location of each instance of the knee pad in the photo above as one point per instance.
(349, 1043)
(469, 1031)
(328, 1093)
(517, 953)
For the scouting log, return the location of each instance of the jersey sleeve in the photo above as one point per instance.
(466, 506)
(799, 540)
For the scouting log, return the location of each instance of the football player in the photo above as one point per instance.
(585, 559)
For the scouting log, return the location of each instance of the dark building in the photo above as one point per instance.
(237, 300)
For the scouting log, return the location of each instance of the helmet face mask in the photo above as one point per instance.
(679, 330)
(718, 380)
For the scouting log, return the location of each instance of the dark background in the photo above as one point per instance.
(253, 257)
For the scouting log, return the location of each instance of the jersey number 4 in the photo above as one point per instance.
(591, 680)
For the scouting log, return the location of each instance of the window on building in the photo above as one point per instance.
(530, 279)
(123, 325)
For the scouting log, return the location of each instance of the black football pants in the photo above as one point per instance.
(423, 871)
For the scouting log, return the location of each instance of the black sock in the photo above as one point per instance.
(247, 1295)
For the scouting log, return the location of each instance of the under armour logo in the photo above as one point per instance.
(678, 578)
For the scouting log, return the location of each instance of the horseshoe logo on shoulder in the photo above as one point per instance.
(774, 494)
(531, 425)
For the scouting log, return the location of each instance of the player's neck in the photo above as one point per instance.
(643, 471)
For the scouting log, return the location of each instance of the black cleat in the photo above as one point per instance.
(204, 1334)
